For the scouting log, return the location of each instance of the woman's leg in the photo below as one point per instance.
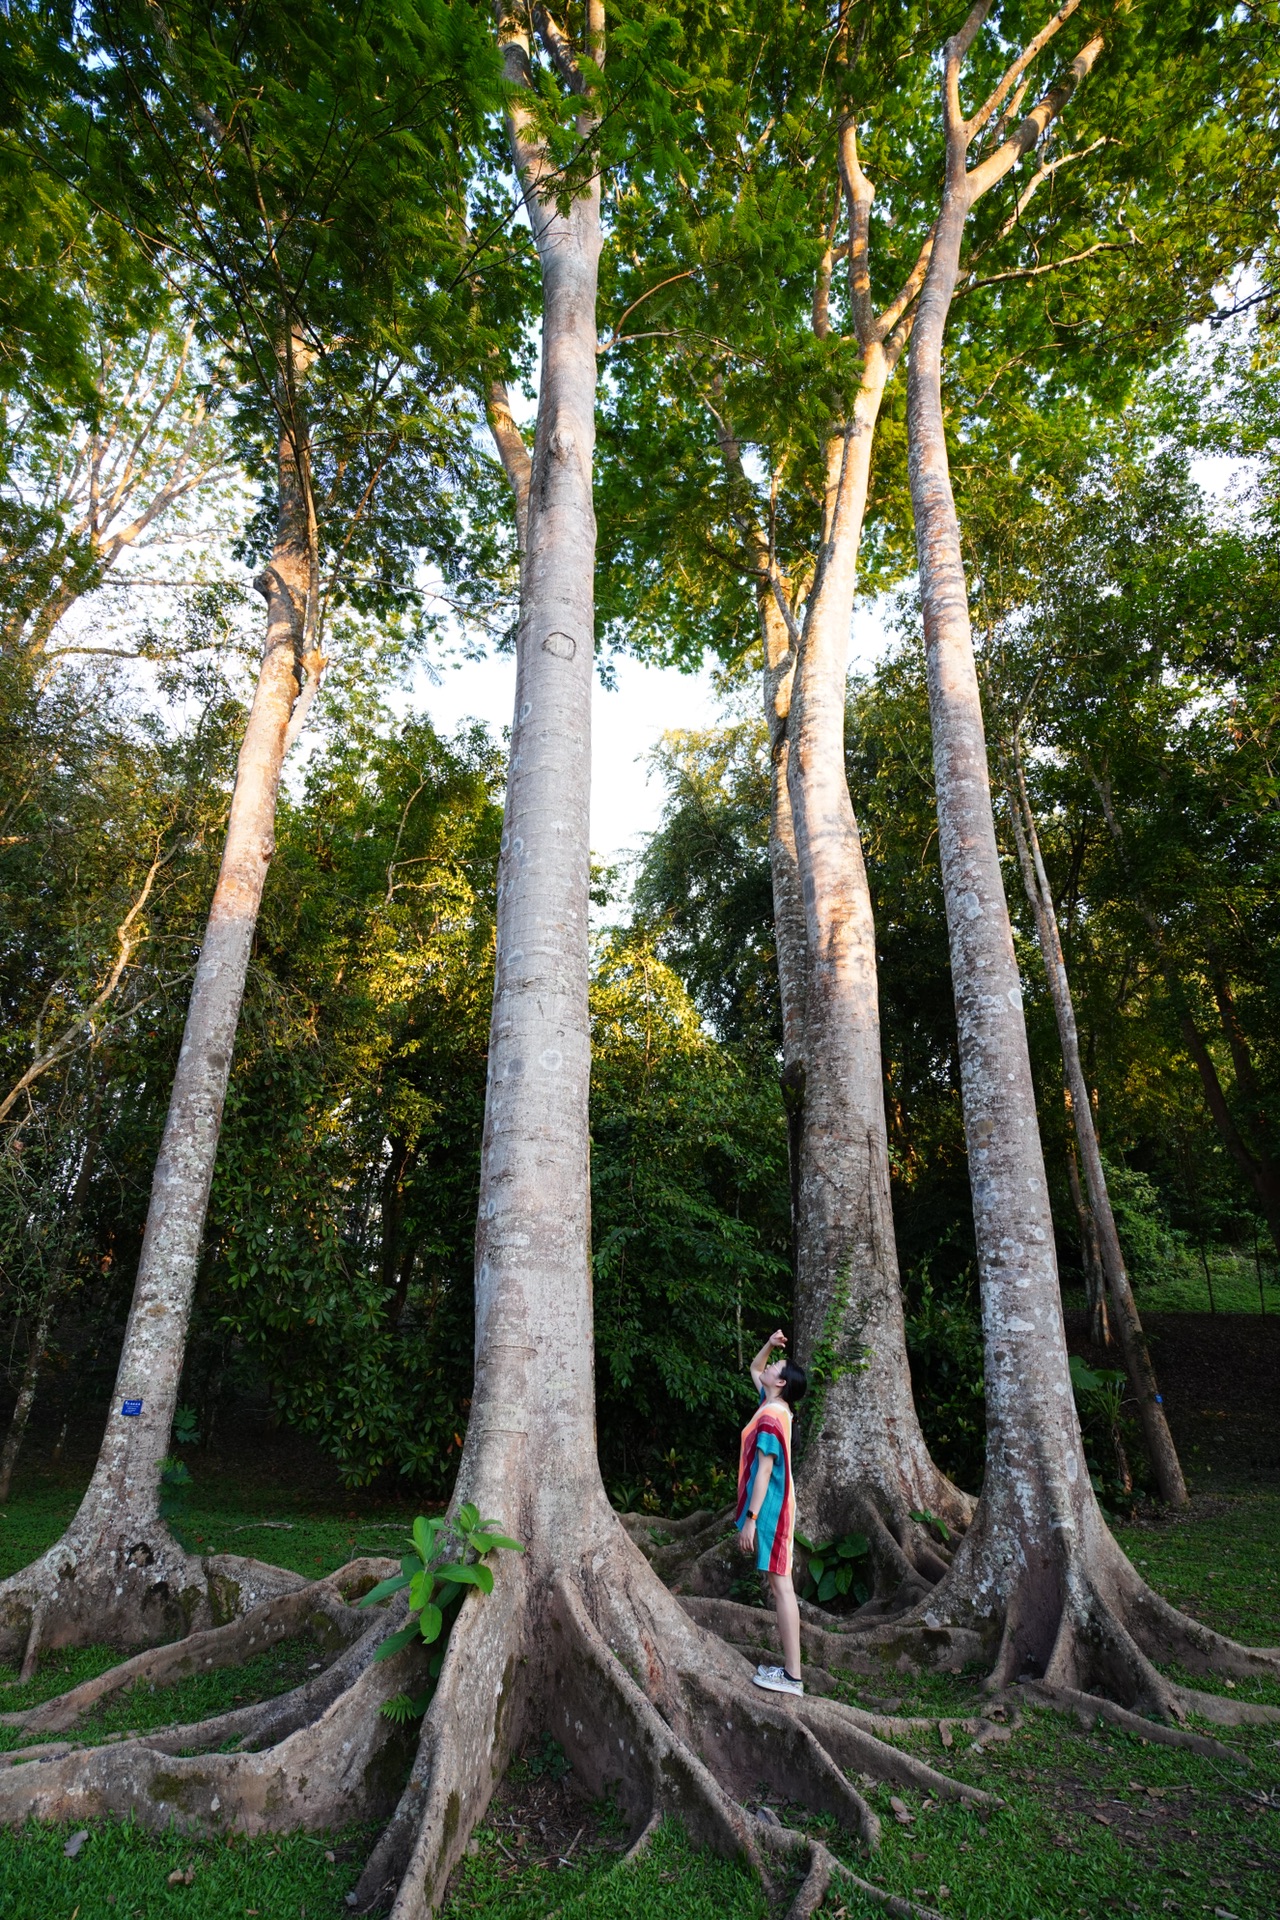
(784, 1601)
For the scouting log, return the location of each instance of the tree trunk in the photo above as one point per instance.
(578, 1638)
(788, 907)
(1095, 1283)
(865, 1463)
(1133, 1342)
(1038, 1574)
(26, 1392)
(117, 1574)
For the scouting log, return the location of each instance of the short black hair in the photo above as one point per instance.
(795, 1382)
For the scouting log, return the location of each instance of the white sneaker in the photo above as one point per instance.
(776, 1680)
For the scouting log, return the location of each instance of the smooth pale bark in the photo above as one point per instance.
(534, 1340)
(1038, 1563)
(1133, 1342)
(117, 1573)
(866, 1465)
(789, 943)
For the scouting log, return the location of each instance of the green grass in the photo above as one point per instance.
(143, 1706)
(122, 1873)
(1181, 1286)
(1091, 1824)
(218, 1520)
(670, 1882)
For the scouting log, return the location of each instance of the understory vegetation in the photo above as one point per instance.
(1092, 1821)
(395, 1190)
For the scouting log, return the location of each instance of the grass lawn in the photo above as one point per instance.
(1091, 1823)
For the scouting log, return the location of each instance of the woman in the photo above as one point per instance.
(767, 1500)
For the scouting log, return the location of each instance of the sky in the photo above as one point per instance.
(627, 724)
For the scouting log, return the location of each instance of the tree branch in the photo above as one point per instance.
(512, 452)
(126, 942)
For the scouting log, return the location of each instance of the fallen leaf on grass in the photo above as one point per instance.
(945, 1734)
(75, 1843)
(330, 1855)
(900, 1811)
(1102, 1819)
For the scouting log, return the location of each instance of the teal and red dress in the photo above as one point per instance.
(769, 1432)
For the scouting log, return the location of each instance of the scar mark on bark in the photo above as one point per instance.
(562, 645)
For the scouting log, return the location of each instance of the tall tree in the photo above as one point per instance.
(245, 153)
(762, 322)
(1038, 1572)
(578, 1631)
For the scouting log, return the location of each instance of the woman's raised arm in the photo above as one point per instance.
(761, 1361)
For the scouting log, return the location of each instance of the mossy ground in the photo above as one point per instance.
(1092, 1823)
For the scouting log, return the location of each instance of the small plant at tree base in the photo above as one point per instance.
(548, 1760)
(436, 1585)
(835, 1570)
(926, 1519)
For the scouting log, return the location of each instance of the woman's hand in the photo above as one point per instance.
(747, 1536)
(761, 1361)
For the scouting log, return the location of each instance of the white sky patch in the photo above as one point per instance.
(627, 724)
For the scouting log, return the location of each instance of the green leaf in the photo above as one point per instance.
(826, 1587)
(477, 1576)
(468, 1518)
(430, 1622)
(816, 1567)
(446, 1593)
(844, 1579)
(395, 1641)
(424, 1536)
(384, 1589)
(486, 1542)
(410, 1564)
(806, 1544)
(854, 1546)
(402, 1709)
(399, 1709)
(421, 1588)
(1083, 1379)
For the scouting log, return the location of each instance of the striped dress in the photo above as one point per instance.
(769, 1432)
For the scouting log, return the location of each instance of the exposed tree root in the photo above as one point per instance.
(126, 1582)
(319, 1608)
(823, 1868)
(1087, 1628)
(698, 1555)
(344, 1762)
(648, 1705)
(842, 1645)
(1091, 1707)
